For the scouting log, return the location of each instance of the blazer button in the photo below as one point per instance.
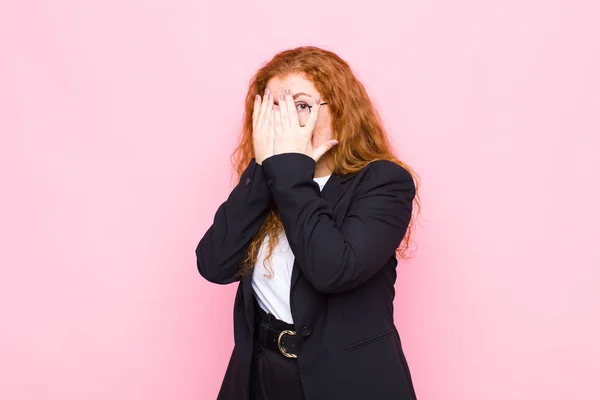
(247, 181)
(269, 182)
(306, 331)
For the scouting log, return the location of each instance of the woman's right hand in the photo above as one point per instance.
(263, 127)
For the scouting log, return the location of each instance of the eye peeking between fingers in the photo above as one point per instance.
(302, 106)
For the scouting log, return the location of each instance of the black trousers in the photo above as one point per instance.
(273, 376)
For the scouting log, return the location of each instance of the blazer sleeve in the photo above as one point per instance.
(225, 244)
(338, 258)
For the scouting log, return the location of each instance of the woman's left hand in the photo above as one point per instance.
(290, 137)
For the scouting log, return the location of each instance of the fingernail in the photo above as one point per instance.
(287, 91)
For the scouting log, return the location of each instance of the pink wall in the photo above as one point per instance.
(117, 121)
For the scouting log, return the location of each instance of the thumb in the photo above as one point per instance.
(322, 149)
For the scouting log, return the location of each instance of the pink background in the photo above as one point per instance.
(117, 121)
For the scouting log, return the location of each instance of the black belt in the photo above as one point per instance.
(275, 334)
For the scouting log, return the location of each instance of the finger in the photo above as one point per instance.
(314, 114)
(291, 107)
(257, 103)
(263, 107)
(271, 130)
(268, 108)
(278, 128)
(324, 148)
(284, 112)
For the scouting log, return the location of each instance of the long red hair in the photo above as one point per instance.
(356, 125)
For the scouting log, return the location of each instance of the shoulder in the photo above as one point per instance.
(385, 171)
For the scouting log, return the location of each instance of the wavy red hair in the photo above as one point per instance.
(356, 125)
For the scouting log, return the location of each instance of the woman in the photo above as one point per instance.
(311, 232)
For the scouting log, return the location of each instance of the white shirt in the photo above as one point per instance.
(273, 294)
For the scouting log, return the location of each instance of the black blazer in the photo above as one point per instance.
(342, 290)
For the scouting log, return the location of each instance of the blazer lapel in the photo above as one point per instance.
(333, 190)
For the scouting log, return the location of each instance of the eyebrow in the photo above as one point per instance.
(276, 102)
(301, 94)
